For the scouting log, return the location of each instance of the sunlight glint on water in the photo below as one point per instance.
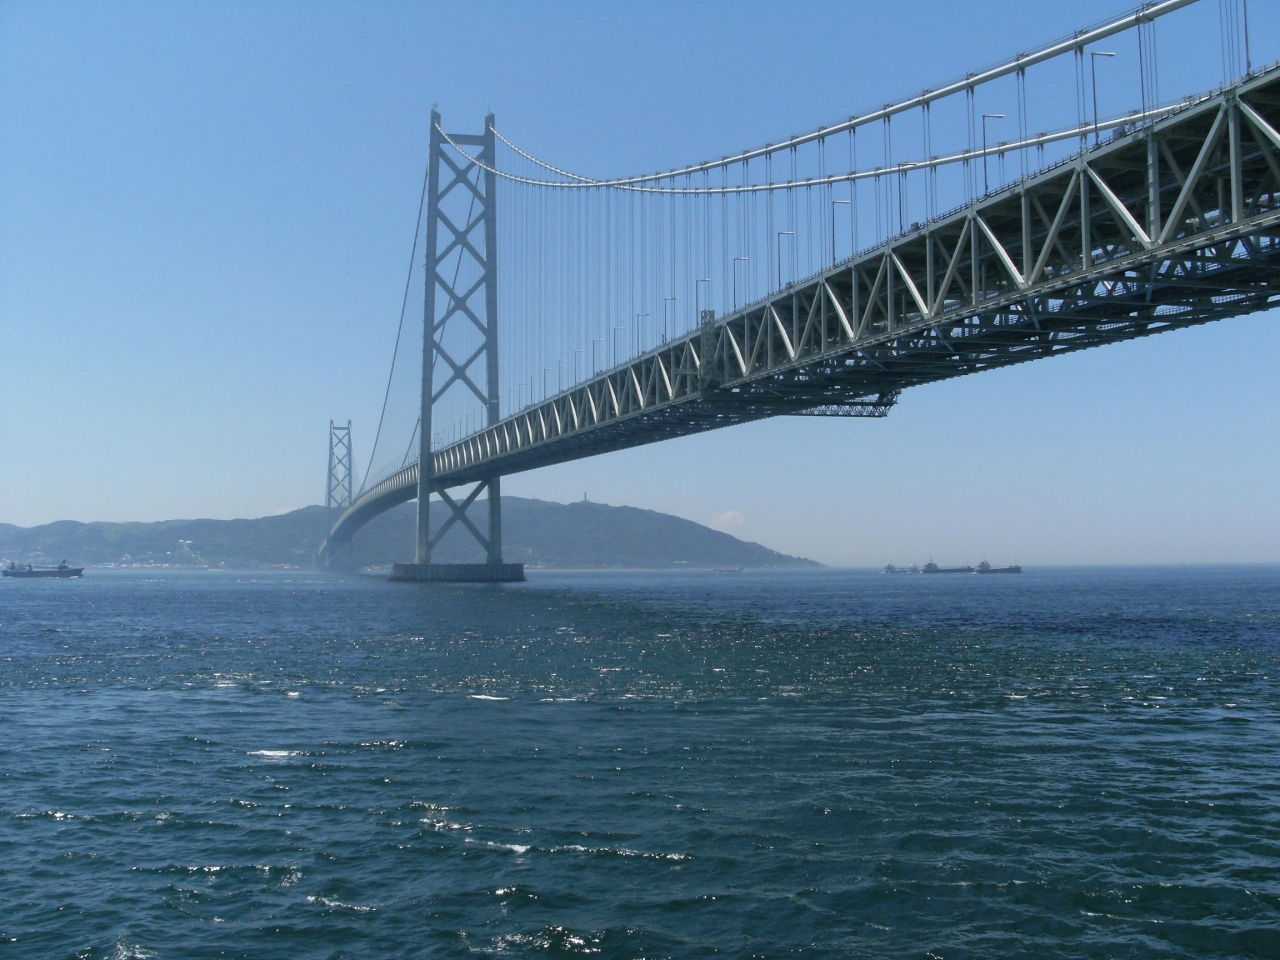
(830, 764)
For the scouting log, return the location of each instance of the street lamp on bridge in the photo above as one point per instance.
(1093, 70)
(986, 186)
(665, 301)
(834, 204)
(781, 234)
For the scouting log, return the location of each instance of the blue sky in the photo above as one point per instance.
(205, 218)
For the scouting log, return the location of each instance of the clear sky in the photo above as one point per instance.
(205, 218)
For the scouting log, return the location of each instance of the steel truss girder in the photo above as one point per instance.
(1168, 226)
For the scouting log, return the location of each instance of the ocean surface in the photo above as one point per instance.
(843, 764)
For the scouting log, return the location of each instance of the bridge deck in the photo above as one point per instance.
(1167, 226)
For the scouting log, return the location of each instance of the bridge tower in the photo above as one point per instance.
(339, 492)
(459, 339)
(339, 488)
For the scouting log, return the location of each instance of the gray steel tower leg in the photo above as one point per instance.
(422, 555)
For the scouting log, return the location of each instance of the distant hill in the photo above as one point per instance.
(535, 532)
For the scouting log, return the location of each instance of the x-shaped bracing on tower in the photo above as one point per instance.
(470, 241)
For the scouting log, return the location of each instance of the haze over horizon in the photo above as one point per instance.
(206, 213)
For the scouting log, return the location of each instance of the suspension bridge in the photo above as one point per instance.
(819, 276)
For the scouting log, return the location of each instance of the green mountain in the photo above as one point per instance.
(535, 532)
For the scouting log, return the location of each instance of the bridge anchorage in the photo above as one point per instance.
(1155, 220)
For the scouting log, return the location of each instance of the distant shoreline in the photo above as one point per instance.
(538, 533)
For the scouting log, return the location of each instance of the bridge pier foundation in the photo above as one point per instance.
(457, 572)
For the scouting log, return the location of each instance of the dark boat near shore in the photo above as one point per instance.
(61, 571)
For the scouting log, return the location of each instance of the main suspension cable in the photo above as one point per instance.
(908, 166)
(404, 306)
(1143, 14)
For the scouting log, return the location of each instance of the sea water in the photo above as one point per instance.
(1066, 763)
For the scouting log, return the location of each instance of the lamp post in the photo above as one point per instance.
(665, 301)
(735, 278)
(1093, 70)
(781, 234)
(595, 361)
(639, 331)
(986, 186)
(834, 203)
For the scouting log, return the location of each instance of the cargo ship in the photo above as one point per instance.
(932, 567)
(985, 567)
(61, 571)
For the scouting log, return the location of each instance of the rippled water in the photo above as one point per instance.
(1070, 763)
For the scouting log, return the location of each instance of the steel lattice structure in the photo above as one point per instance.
(339, 487)
(1167, 225)
(461, 213)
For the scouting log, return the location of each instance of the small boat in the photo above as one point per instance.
(932, 567)
(61, 571)
(985, 567)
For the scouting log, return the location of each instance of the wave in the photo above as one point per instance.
(277, 754)
(520, 849)
(339, 905)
